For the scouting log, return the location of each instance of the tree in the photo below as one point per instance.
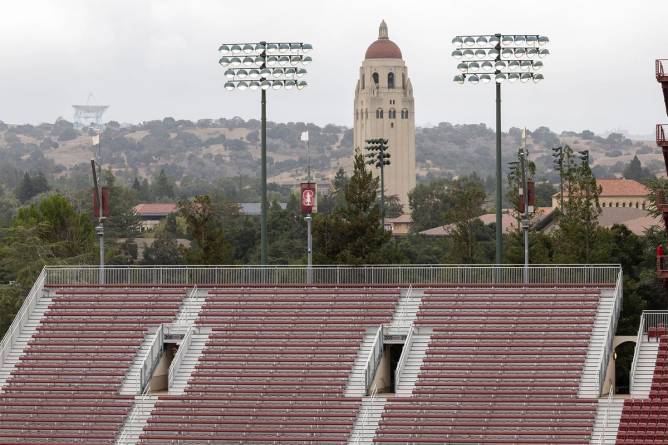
(353, 234)
(635, 171)
(163, 187)
(578, 221)
(429, 204)
(205, 228)
(163, 251)
(393, 207)
(466, 195)
(31, 186)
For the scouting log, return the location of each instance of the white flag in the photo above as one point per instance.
(96, 139)
(304, 136)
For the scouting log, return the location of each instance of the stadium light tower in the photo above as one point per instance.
(260, 66)
(499, 57)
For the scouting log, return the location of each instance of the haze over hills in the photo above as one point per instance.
(210, 149)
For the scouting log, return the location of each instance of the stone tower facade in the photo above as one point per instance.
(384, 108)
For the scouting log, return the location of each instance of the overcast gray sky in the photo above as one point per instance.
(149, 59)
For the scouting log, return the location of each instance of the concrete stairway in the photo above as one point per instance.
(190, 307)
(642, 380)
(406, 310)
(28, 330)
(367, 420)
(131, 382)
(136, 420)
(355, 386)
(197, 343)
(406, 383)
(605, 430)
(589, 383)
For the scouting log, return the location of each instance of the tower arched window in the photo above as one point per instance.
(403, 81)
(390, 80)
(392, 113)
(366, 114)
(379, 113)
(363, 76)
(404, 114)
(375, 78)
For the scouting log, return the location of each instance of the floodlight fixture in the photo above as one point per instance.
(264, 66)
(502, 57)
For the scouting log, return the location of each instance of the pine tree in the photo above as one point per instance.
(578, 222)
(163, 187)
(353, 234)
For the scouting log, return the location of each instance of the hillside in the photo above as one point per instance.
(210, 149)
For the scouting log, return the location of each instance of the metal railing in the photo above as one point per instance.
(140, 404)
(152, 358)
(402, 314)
(185, 317)
(661, 130)
(602, 274)
(636, 352)
(601, 436)
(22, 317)
(375, 355)
(178, 357)
(405, 352)
(612, 328)
(365, 418)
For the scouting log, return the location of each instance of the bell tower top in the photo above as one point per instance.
(382, 30)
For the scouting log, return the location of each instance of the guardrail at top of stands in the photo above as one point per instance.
(398, 274)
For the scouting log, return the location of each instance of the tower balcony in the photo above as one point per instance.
(662, 77)
(661, 135)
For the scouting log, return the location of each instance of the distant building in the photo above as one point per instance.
(617, 193)
(152, 213)
(542, 217)
(401, 225)
(384, 108)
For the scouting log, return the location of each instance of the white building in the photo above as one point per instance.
(384, 108)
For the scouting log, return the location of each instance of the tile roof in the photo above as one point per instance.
(619, 187)
(155, 208)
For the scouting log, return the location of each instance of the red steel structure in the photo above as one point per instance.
(661, 70)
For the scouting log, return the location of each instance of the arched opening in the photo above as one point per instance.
(375, 78)
(379, 113)
(602, 204)
(390, 80)
(623, 357)
(392, 113)
(363, 76)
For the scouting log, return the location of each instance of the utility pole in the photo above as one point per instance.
(379, 157)
(308, 218)
(558, 154)
(525, 197)
(99, 229)
(584, 157)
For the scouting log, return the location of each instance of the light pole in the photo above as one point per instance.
(264, 65)
(499, 57)
(379, 157)
(558, 154)
(308, 218)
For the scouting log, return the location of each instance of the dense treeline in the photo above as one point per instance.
(197, 153)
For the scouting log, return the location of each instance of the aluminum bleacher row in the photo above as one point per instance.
(65, 388)
(644, 421)
(501, 367)
(274, 369)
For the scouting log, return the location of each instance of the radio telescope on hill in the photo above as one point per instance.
(88, 115)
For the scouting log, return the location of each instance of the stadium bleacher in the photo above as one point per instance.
(503, 365)
(65, 388)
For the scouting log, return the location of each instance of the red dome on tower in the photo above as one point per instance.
(383, 48)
